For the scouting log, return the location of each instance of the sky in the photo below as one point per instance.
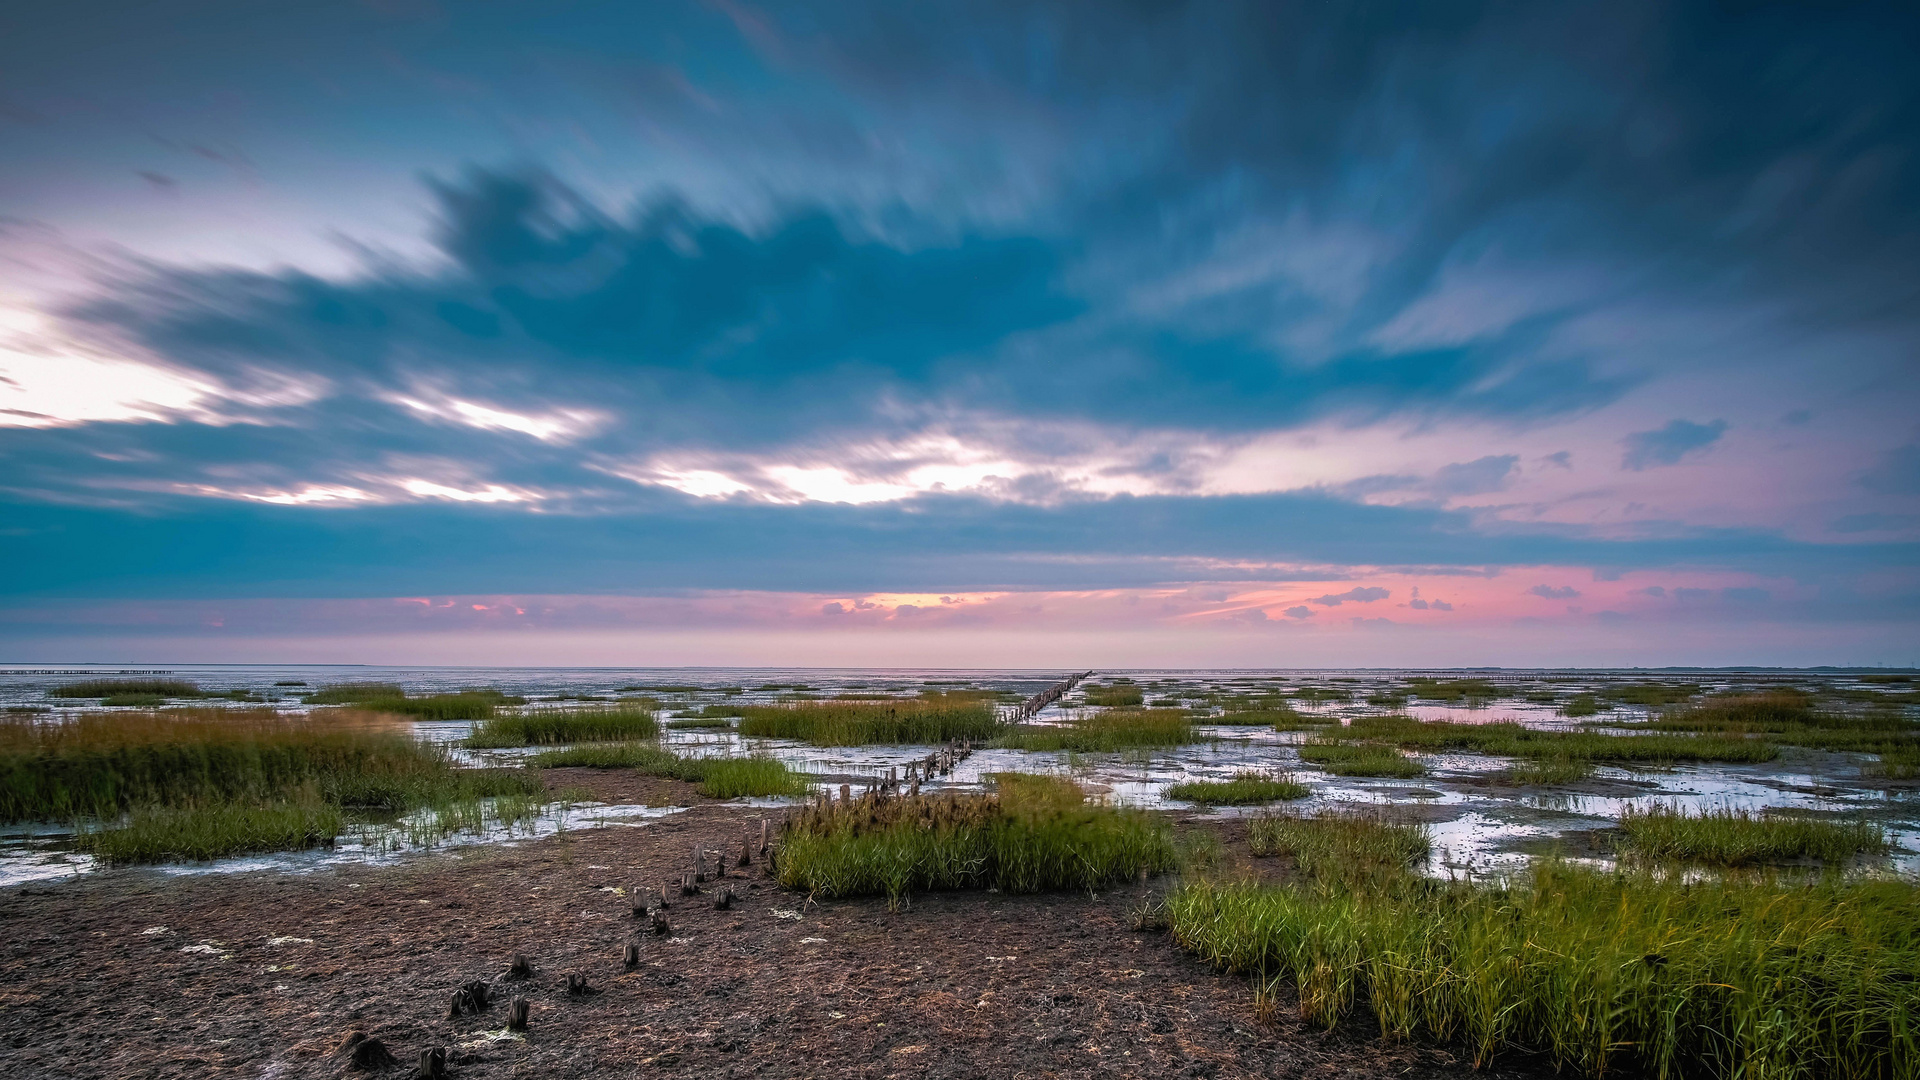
(1126, 335)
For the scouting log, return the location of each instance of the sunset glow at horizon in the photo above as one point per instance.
(1213, 335)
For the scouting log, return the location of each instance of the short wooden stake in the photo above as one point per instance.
(518, 1013)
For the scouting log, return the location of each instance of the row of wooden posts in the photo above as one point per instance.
(363, 1051)
(1032, 706)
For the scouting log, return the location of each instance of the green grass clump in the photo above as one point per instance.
(1282, 718)
(1514, 740)
(699, 723)
(718, 777)
(199, 833)
(1035, 835)
(1452, 689)
(1788, 716)
(99, 688)
(1340, 846)
(1649, 693)
(100, 765)
(922, 721)
(199, 783)
(552, 727)
(1600, 973)
(1117, 696)
(1896, 763)
(1580, 705)
(1106, 732)
(1361, 759)
(478, 704)
(133, 701)
(1245, 789)
(1550, 770)
(1738, 838)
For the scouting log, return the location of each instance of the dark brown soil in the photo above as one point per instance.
(264, 974)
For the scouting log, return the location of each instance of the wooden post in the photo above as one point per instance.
(630, 956)
(746, 850)
(763, 836)
(518, 1013)
(663, 896)
(519, 967)
(433, 1064)
(846, 793)
(637, 899)
(724, 899)
(699, 864)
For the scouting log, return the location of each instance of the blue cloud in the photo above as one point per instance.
(1669, 444)
(1358, 595)
(1554, 592)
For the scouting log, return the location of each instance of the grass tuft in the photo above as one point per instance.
(552, 727)
(1360, 759)
(99, 688)
(1106, 731)
(1737, 838)
(1036, 834)
(922, 721)
(718, 777)
(1623, 973)
(1245, 789)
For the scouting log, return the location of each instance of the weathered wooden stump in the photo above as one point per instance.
(577, 984)
(746, 850)
(663, 896)
(659, 925)
(363, 1051)
(637, 899)
(687, 886)
(518, 1013)
(519, 967)
(699, 865)
(763, 836)
(630, 956)
(433, 1064)
(723, 899)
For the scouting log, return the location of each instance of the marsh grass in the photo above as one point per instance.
(911, 721)
(1789, 716)
(1245, 789)
(1453, 689)
(199, 783)
(1628, 973)
(100, 688)
(1654, 694)
(718, 777)
(1036, 834)
(1731, 837)
(134, 701)
(552, 727)
(1281, 718)
(1106, 732)
(99, 765)
(1340, 846)
(1549, 770)
(476, 704)
(1513, 740)
(700, 723)
(1580, 705)
(199, 833)
(1115, 696)
(1360, 759)
(1896, 763)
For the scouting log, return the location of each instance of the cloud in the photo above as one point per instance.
(1653, 590)
(1358, 595)
(1668, 445)
(1858, 523)
(1745, 595)
(1896, 473)
(1298, 612)
(1554, 592)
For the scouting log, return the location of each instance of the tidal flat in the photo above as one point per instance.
(1107, 920)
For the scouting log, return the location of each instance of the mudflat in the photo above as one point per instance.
(265, 974)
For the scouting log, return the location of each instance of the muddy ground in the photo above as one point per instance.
(139, 974)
